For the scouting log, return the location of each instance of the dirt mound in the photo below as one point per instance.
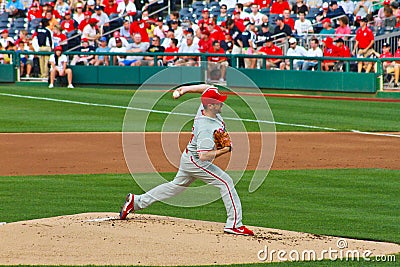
(92, 238)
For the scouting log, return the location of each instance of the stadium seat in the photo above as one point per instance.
(230, 11)
(212, 5)
(185, 12)
(265, 11)
(215, 12)
(198, 5)
(4, 25)
(4, 16)
(20, 24)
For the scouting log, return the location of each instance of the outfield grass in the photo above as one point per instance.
(33, 115)
(330, 202)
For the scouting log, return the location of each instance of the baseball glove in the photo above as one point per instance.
(222, 139)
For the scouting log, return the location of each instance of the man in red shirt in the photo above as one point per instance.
(34, 12)
(279, 6)
(262, 3)
(217, 64)
(364, 43)
(270, 49)
(69, 25)
(205, 43)
(215, 32)
(172, 48)
(111, 8)
(140, 26)
(287, 19)
(205, 20)
(85, 21)
(239, 23)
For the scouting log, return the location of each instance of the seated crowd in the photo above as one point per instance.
(89, 26)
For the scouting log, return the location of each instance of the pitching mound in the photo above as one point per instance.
(92, 238)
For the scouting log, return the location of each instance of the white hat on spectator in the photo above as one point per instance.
(292, 40)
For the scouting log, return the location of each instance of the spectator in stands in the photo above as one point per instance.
(313, 4)
(49, 6)
(178, 31)
(279, 6)
(173, 48)
(126, 7)
(42, 41)
(2, 10)
(249, 38)
(343, 28)
(364, 42)
(111, 8)
(155, 47)
(217, 64)
(239, 8)
(52, 20)
(215, 32)
(90, 4)
(330, 50)
(255, 16)
(23, 37)
(140, 26)
(25, 60)
(389, 21)
(103, 20)
(84, 59)
(270, 49)
(15, 9)
(205, 20)
(5, 39)
(313, 51)
(85, 21)
(344, 51)
(388, 65)
(263, 35)
(118, 48)
(335, 10)
(263, 3)
(287, 19)
(69, 25)
(125, 31)
(58, 62)
(397, 65)
(295, 50)
(141, 5)
(61, 7)
(101, 59)
(78, 14)
(229, 3)
(188, 46)
(271, 28)
(282, 30)
(236, 36)
(160, 30)
(91, 31)
(136, 47)
(223, 15)
(238, 21)
(381, 15)
(59, 39)
(303, 26)
(323, 13)
(227, 44)
(361, 9)
(395, 6)
(205, 42)
(167, 40)
(34, 12)
(327, 27)
(299, 7)
(348, 8)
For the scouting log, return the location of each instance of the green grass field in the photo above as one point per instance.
(353, 203)
(38, 115)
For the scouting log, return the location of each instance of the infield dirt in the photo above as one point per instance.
(156, 240)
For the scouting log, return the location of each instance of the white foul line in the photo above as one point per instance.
(191, 115)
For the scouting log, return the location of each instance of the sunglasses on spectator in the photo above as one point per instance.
(223, 8)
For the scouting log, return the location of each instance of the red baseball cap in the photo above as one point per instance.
(386, 2)
(116, 34)
(328, 20)
(58, 48)
(212, 96)
(4, 31)
(93, 21)
(87, 13)
(67, 13)
(84, 40)
(204, 10)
